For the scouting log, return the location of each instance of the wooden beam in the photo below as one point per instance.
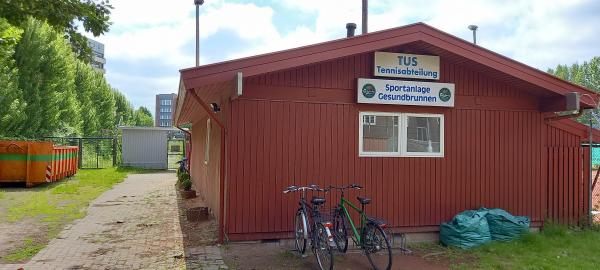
(208, 110)
(553, 104)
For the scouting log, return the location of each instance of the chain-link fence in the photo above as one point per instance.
(94, 152)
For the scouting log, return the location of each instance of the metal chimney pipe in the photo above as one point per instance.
(198, 3)
(350, 27)
(365, 15)
(473, 28)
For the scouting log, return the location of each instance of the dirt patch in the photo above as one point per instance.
(101, 251)
(443, 256)
(27, 228)
(275, 256)
(199, 233)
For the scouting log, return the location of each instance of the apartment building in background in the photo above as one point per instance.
(164, 110)
(98, 60)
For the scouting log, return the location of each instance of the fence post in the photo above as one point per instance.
(114, 152)
(80, 157)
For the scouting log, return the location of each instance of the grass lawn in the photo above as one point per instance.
(51, 207)
(557, 247)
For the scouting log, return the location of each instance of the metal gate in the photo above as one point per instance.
(94, 152)
(175, 152)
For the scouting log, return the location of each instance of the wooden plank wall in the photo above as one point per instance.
(300, 126)
(205, 176)
(568, 177)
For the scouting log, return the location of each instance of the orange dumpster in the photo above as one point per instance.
(36, 162)
(64, 162)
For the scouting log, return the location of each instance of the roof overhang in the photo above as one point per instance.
(216, 81)
(578, 129)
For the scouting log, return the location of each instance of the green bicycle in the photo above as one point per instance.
(370, 236)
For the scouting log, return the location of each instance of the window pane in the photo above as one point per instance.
(423, 134)
(380, 134)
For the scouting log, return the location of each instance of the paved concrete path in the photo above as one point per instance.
(135, 225)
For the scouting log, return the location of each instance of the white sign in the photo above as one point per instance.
(403, 65)
(405, 93)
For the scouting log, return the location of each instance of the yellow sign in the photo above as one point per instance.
(402, 65)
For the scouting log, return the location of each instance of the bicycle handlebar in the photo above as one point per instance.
(294, 188)
(354, 186)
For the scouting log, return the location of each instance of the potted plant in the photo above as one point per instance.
(181, 177)
(186, 185)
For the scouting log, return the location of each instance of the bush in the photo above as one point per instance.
(183, 176)
(186, 184)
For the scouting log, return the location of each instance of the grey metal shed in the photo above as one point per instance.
(145, 147)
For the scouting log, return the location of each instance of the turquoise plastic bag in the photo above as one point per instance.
(466, 230)
(504, 226)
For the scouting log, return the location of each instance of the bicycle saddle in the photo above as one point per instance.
(363, 200)
(317, 200)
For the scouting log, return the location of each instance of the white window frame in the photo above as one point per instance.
(404, 125)
(371, 123)
(360, 136)
(402, 137)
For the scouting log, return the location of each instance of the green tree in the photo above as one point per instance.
(47, 78)
(104, 102)
(11, 97)
(64, 16)
(586, 75)
(143, 117)
(85, 84)
(124, 115)
(97, 98)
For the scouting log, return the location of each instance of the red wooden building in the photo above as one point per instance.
(265, 122)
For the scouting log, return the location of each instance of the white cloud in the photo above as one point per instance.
(540, 33)
(537, 32)
(161, 33)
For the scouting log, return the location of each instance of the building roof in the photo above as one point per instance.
(210, 81)
(149, 128)
(577, 128)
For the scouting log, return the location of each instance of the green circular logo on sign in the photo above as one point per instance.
(445, 94)
(368, 90)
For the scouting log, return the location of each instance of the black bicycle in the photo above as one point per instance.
(319, 232)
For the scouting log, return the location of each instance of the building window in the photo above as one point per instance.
(369, 120)
(424, 135)
(165, 102)
(380, 138)
(401, 135)
(207, 142)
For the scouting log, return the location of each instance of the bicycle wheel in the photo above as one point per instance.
(377, 247)
(321, 248)
(300, 231)
(340, 234)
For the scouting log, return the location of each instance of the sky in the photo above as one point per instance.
(151, 40)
